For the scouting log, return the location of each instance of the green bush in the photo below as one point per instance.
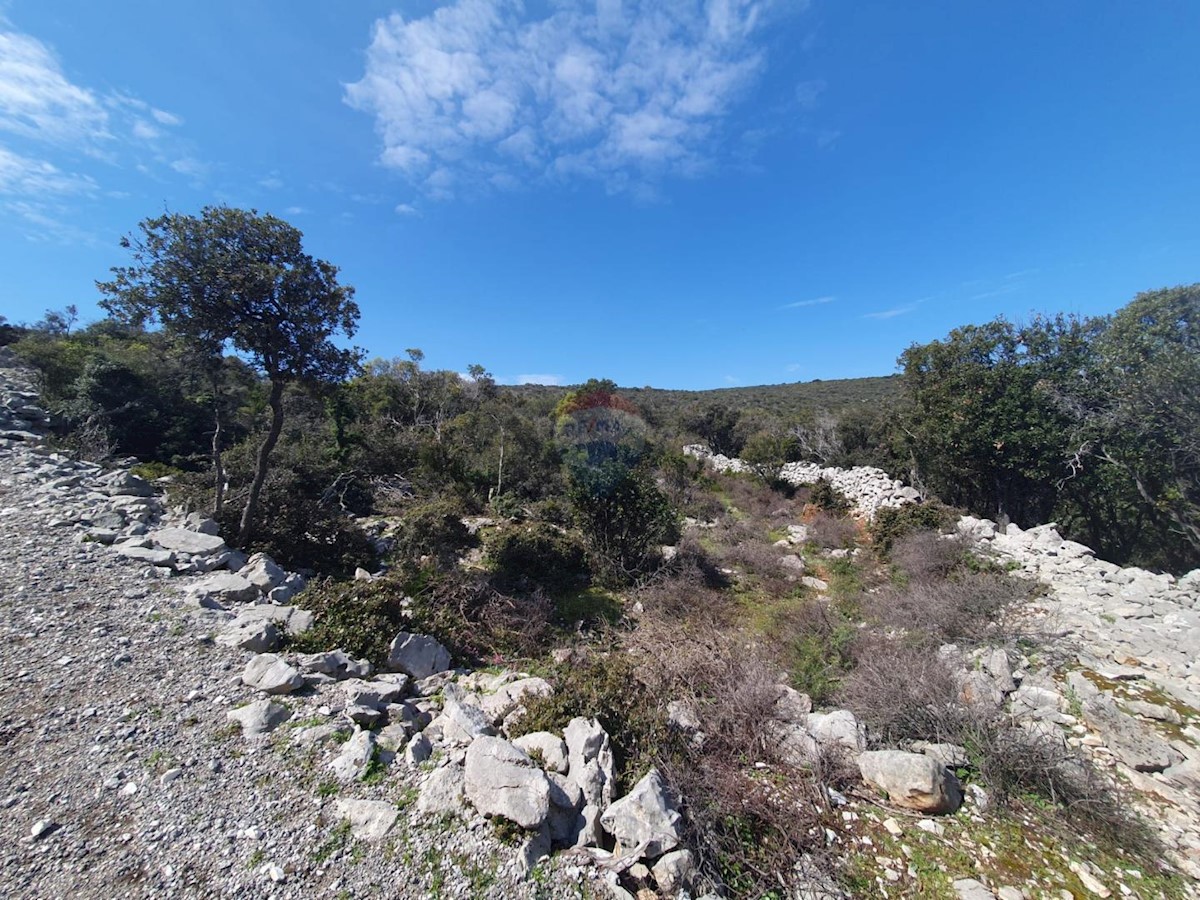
(433, 529)
(538, 555)
(823, 495)
(892, 523)
(300, 532)
(360, 617)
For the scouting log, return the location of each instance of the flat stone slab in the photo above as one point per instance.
(193, 543)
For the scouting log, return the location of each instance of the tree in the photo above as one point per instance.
(617, 503)
(717, 424)
(234, 278)
(983, 429)
(1135, 410)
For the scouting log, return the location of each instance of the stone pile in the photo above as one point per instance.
(868, 489)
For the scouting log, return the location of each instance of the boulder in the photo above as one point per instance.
(911, 780)
(162, 558)
(462, 720)
(675, 871)
(646, 820)
(418, 750)
(257, 635)
(225, 587)
(417, 655)
(550, 748)
(370, 820)
(291, 619)
(126, 484)
(566, 801)
(501, 780)
(259, 717)
(837, 730)
(791, 706)
(511, 695)
(263, 572)
(336, 664)
(192, 543)
(442, 792)
(356, 756)
(271, 675)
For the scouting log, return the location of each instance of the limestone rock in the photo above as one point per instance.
(370, 820)
(417, 655)
(838, 730)
(674, 871)
(263, 572)
(911, 780)
(355, 758)
(501, 780)
(271, 675)
(549, 747)
(442, 792)
(257, 635)
(225, 587)
(259, 717)
(646, 820)
(161, 558)
(193, 543)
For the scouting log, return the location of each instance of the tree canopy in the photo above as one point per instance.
(235, 278)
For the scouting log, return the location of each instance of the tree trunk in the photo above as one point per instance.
(260, 466)
(218, 467)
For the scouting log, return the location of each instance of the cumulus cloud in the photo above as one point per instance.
(476, 93)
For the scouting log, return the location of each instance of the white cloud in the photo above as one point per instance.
(295, 211)
(272, 182)
(540, 379)
(816, 301)
(22, 176)
(890, 313)
(52, 126)
(36, 99)
(407, 209)
(162, 117)
(474, 93)
(190, 166)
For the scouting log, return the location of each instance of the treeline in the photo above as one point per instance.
(1093, 423)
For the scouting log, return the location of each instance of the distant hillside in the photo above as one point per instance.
(781, 399)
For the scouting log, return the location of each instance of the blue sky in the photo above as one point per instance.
(682, 193)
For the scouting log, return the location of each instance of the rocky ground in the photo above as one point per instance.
(122, 773)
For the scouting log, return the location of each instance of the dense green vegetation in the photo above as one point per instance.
(513, 522)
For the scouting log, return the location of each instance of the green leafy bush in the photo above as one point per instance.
(538, 555)
(823, 495)
(434, 530)
(892, 523)
(607, 688)
(360, 617)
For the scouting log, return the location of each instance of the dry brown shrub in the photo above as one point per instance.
(902, 692)
(926, 555)
(906, 693)
(965, 607)
(758, 503)
(749, 827)
(834, 532)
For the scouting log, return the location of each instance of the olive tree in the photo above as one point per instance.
(234, 279)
